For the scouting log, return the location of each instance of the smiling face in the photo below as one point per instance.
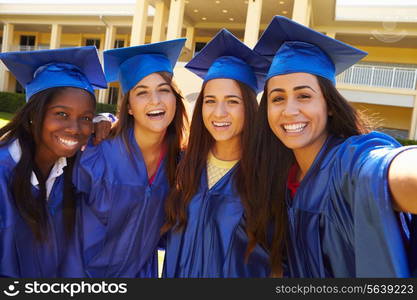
(152, 104)
(67, 125)
(223, 110)
(297, 112)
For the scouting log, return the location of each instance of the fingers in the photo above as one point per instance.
(102, 131)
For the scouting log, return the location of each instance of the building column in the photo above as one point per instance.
(413, 128)
(110, 37)
(8, 30)
(103, 94)
(253, 20)
(140, 17)
(176, 17)
(190, 43)
(119, 96)
(302, 12)
(55, 36)
(159, 21)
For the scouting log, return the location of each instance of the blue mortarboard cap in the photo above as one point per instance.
(72, 67)
(225, 56)
(130, 65)
(292, 47)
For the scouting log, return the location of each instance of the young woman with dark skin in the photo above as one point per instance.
(37, 203)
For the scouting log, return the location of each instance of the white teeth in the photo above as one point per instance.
(69, 143)
(296, 127)
(221, 124)
(155, 112)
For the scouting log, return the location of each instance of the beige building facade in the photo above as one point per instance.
(383, 84)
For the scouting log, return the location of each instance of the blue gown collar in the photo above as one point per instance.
(219, 184)
(328, 145)
(318, 164)
(140, 161)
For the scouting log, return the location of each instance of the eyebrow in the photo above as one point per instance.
(276, 90)
(60, 106)
(300, 87)
(145, 86)
(303, 87)
(69, 108)
(227, 96)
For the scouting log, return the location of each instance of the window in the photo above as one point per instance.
(198, 47)
(93, 42)
(27, 42)
(113, 95)
(19, 88)
(119, 43)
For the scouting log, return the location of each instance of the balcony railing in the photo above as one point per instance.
(28, 48)
(380, 76)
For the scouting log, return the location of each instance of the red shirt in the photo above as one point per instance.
(292, 182)
(161, 158)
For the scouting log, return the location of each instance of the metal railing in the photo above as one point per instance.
(28, 48)
(380, 76)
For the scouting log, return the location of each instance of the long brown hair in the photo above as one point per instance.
(175, 132)
(26, 126)
(194, 161)
(272, 162)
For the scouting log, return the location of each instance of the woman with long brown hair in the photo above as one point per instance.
(123, 182)
(334, 192)
(37, 148)
(205, 213)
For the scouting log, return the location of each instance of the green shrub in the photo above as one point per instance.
(106, 108)
(406, 142)
(11, 102)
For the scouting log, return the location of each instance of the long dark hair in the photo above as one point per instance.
(194, 161)
(272, 162)
(174, 136)
(26, 126)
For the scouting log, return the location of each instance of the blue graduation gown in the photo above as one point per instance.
(341, 220)
(119, 214)
(413, 246)
(20, 254)
(213, 244)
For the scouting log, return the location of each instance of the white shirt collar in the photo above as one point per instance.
(57, 170)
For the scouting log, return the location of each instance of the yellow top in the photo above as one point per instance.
(217, 168)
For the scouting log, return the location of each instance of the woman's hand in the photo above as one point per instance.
(101, 131)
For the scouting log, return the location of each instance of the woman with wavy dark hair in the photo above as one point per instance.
(205, 212)
(123, 182)
(37, 201)
(335, 193)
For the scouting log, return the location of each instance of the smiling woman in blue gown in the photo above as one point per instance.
(123, 182)
(337, 194)
(37, 202)
(205, 213)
